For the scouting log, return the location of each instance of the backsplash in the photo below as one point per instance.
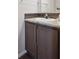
(33, 15)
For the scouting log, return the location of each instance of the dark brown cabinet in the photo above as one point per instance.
(30, 39)
(47, 41)
(42, 42)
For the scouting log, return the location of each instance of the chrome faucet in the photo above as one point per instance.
(46, 16)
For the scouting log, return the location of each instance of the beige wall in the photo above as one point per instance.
(24, 6)
(57, 5)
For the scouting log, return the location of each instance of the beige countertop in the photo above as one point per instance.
(47, 22)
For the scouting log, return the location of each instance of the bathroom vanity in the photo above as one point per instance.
(42, 38)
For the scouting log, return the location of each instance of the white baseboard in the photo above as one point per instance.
(22, 53)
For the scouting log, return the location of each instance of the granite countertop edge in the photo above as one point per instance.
(44, 24)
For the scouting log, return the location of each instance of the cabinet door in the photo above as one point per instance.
(30, 39)
(47, 40)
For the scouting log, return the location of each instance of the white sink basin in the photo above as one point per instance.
(44, 20)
